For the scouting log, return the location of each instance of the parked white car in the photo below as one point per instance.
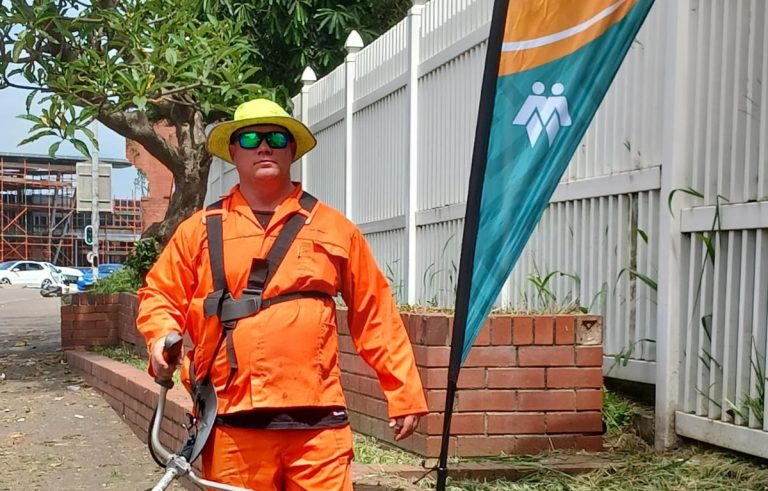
(30, 273)
(69, 275)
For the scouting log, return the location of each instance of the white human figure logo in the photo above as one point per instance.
(540, 113)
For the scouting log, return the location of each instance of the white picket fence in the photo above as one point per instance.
(681, 280)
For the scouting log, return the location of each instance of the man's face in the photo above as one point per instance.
(263, 162)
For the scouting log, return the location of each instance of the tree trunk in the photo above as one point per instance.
(186, 158)
(190, 178)
(188, 196)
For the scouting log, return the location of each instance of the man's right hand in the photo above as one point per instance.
(163, 368)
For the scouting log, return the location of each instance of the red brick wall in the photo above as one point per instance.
(530, 383)
(89, 319)
(160, 179)
(126, 326)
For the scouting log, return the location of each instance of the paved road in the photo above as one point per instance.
(55, 431)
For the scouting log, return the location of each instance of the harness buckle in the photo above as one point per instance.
(249, 303)
(253, 295)
(253, 292)
(214, 301)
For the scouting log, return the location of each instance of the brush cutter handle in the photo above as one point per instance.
(171, 353)
(166, 480)
(175, 465)
(172, 346)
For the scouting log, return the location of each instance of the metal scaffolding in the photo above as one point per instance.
(38, 218)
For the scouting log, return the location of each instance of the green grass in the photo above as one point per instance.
(125, 354)
(617, 413)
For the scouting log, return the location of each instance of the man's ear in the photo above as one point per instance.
(292, 146)
(232, 149)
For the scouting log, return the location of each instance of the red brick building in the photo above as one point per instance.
(159, 178)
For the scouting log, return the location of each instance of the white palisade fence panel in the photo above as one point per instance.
(450, 21)
(325, 166)
(599, 244)
(380, 169)
(448, 115)
(383, 61)
(326, 98)
(438, 262)
(389, 249)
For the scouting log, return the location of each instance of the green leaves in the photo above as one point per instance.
(53, 149)
(649, 282)
(289, 35)
(335, 22)
(16, 53)
(36, 137)
(144, 256)
(689, 191)
(81, 147)
(145, 56)
(171, 57)
(140, 102)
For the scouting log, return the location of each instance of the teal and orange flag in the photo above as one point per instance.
(548, 66)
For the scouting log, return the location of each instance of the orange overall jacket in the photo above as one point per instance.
(287, 354)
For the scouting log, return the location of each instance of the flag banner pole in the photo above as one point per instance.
(477, 174)
(548, 66)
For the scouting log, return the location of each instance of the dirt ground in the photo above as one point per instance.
(55, 431)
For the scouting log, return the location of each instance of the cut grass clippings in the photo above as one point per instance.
(369, 450)
(637, 467)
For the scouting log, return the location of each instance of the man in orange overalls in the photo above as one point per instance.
(257, 301)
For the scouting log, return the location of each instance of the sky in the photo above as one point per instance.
(13, 130)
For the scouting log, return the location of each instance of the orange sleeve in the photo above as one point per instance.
(165, 298)
(378, 332)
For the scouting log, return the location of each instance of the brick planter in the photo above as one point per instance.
(530, 383)
(91, 319)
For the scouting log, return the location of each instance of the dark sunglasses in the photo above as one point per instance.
(252, 139)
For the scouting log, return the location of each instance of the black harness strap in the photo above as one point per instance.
(221, 303)
(215, 301)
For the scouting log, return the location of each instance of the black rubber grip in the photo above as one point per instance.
(171, 353)
(172, 347)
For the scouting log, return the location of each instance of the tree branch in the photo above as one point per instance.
(84, 20)
(136, 126)
(105, 4)
(5, 83)
(165, 93)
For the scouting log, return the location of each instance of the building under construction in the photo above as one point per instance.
(39, 218)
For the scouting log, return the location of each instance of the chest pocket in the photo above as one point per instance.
(320, 260)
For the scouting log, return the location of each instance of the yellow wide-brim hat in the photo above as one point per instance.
(259, 111)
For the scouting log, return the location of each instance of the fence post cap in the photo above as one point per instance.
(354, 42)
(308, 76)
